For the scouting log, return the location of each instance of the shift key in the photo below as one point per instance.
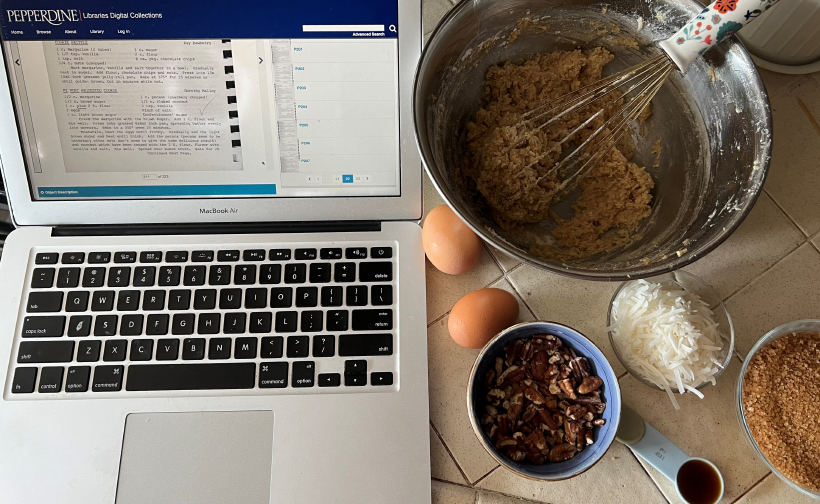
(44, 302)
(45, 351)
(43, 326)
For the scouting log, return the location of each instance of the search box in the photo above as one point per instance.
(342, 28)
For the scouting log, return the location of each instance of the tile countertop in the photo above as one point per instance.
(768, 272)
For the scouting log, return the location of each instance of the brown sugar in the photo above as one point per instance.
(510, 158)
(780, 392)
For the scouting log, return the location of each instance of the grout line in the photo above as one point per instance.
(755, 279)
(514, 268)
(622, 375)
(462, 485)
(806, 110)
(511, 496)
(521, 296)
(479, 480)
(784, 88)
(750, 282)
(658, 488)
(495, 259)
(450, 453)
(438, 320)
(795, 224)
(752, 487)
(491, 282)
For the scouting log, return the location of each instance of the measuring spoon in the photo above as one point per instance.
(661, 453)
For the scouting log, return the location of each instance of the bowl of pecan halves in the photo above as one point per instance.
(544, 401)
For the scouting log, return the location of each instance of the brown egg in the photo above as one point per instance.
(480, 315)
(450, 245)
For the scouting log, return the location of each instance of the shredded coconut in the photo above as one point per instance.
(667, 335)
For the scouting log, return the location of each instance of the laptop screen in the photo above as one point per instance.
(191, 99)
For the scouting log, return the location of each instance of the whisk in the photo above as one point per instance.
(637, 86)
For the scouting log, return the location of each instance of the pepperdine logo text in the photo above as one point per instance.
(52, 17)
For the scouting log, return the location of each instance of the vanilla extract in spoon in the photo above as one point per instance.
(699, 483)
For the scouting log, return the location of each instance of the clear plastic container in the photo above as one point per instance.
(810, 326)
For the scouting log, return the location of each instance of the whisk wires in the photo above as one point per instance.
(636, 87)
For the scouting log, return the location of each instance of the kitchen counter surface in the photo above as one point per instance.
(768, 273)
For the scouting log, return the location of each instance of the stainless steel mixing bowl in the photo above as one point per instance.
(714, 124)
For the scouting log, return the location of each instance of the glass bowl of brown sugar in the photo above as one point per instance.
(776, 401)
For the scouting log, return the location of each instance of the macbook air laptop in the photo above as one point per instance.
(215, 293)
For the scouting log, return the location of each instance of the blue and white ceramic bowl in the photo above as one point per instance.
(610, 393)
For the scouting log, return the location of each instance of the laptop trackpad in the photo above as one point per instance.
(209, 457)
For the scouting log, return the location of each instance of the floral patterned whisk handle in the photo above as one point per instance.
(716, 22)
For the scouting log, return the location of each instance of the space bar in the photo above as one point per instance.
(143, 377)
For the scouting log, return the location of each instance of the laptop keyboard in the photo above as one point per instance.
(300, 319)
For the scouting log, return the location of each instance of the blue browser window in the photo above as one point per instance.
(184, 99)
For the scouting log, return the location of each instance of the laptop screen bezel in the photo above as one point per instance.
(27, 211)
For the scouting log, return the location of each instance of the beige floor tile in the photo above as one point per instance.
(705, 428)
(617, 478)
(765, 237)
(449, 370)
(775, 82)
(772, 490)
(794, 174)
(432, 11)
(442, 465)
(580, 304)
(494, 498)
(445, 493)
(507, 262)
(444, 290)
(788, 291)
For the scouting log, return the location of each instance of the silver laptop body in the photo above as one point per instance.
(289, 412)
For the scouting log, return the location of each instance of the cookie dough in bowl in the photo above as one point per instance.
(510, 159)
(675, 186)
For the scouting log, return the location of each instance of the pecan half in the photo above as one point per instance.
(562, 452)
(540, 365)
(580, 367)
(495, 395)
(549, 419)
(590, 384)
(489, 380)
(516, 404)
(567, 388)
(517, 455)
(533, 395)
(530, 412)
